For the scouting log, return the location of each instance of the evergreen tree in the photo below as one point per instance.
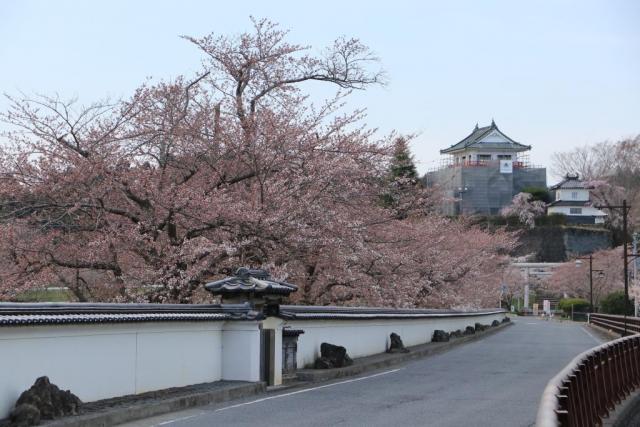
(403, 185)
(402, 165)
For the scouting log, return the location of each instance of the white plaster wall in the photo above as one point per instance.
(583, 195)
(367, 337)
(108, 360)
(241, 351)
(586, 211)
(494, 136)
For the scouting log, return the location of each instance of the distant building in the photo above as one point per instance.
(573, 199)
(482, 173)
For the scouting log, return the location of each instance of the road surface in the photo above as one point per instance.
(496, 381)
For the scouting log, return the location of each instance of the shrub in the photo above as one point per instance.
(552, 219)
(613, 303)
(538, 193)
(578, 304)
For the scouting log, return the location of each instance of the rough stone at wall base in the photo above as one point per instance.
(24, 415)
(332, 356)
(480, 327)
(45, 401)
(396, 346)
(440, 336)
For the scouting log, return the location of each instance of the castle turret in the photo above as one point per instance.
(482, 172)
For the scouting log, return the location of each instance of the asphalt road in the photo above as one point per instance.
(496, 381)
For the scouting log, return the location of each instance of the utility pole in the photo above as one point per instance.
(626, 266)
(591, 270)
(625, 211)
(590, 283)
(635, 271)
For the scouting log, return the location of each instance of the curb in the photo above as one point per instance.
(383, 360)
(604, 331)
(138, 411)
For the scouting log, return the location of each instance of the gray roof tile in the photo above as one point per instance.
(250, 281)
(17, 314)
(300, 312)
(572, 182)
(479, 133)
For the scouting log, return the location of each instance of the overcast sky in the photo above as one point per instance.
(553, 74)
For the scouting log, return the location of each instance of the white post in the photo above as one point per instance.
(526, 289)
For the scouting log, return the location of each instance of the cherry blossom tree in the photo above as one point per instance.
(147, 198)
(572, 278)
(525, 208)
(614, 167)
(604, 193)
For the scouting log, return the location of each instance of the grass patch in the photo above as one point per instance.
(45, 295)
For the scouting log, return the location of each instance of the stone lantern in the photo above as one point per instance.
(254, 286)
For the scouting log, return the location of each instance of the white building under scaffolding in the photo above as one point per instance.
(482, 173)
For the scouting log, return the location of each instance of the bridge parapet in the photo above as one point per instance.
(589, 387)
(623, 325)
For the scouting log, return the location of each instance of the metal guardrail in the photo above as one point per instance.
(616, 323)
(589, 387)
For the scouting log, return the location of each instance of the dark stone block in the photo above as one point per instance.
(456, 334)
(506, 319)
(24, 415)
(440, 336)
(43, 401)
(332, 356)
(469, 330)
(480, 327)
(495, 323)
(322, 364)
(396, 346)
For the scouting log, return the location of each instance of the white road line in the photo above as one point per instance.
(591, 335)
(307, 390)
(178, 419)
